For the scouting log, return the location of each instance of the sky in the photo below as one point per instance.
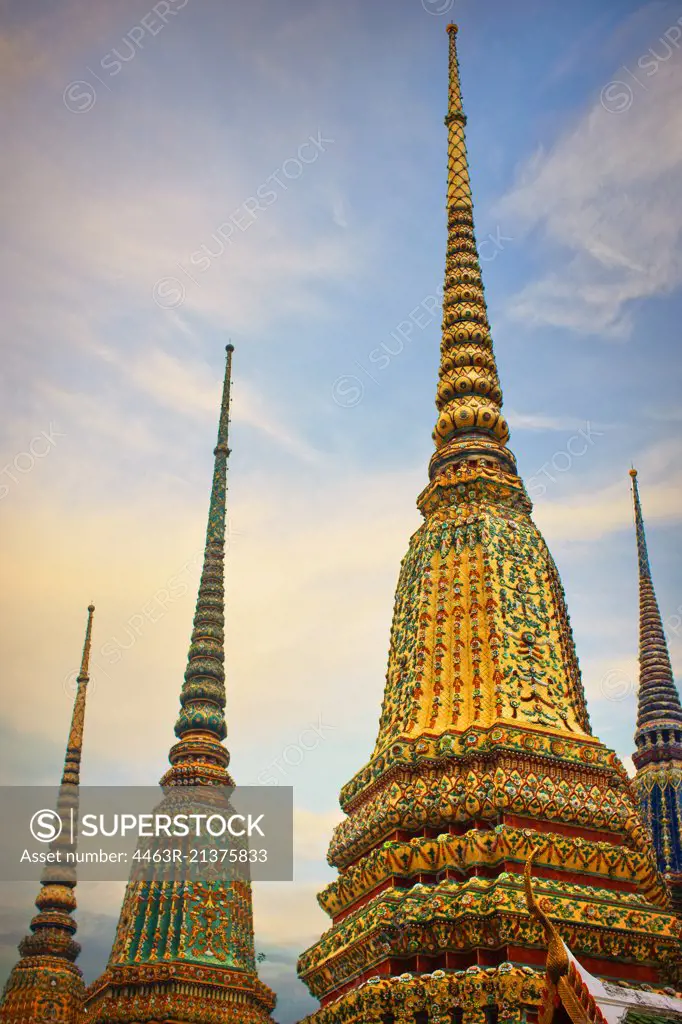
(274, 174)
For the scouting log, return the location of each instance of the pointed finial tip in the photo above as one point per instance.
(633, 473)
(452, 28)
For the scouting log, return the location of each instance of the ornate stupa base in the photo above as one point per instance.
(475, 996)
(485, 755)
(182, 993)
(43, 988)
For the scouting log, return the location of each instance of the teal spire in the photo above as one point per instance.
(200, 756)
(184, 947)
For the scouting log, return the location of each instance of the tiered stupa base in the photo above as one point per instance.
(433, 900)
(475, 996)
(183, 953)
(178, 993)
(43, 988)
(484, 757)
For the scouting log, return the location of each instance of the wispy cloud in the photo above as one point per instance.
(313, 831)
(594, 513)
(544, 422)
(189, 387)
(607, 207)
(104, 205)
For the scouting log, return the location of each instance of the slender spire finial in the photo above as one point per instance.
(469, 396)
(72, 761)
(53, 927)
(659, 702)
(199, 756)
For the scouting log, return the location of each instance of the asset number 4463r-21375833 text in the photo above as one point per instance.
(201, 856)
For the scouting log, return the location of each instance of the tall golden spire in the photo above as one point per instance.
(46, 984)
(469, 396)
(484, 750)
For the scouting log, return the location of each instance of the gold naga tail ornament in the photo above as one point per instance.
(484, 751)
(571, 995)
(658, 739)
(45, 984)
(184, 950)
(557, 954)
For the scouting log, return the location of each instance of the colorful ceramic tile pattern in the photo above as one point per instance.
(485, 752)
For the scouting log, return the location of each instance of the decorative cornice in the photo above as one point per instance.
(194, 993)
(449, 916)
(482, 852)
(439, 796)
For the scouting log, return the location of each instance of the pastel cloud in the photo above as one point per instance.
(606, 206)
(321, 501)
